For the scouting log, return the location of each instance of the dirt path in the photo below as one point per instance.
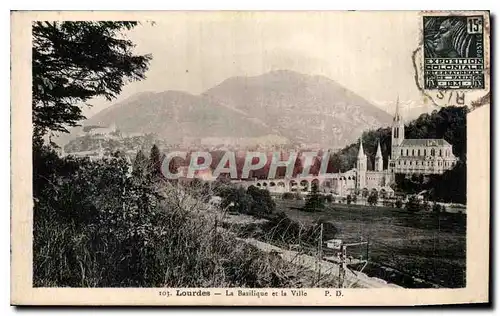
(310, 262)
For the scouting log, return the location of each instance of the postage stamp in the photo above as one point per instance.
(453, 52)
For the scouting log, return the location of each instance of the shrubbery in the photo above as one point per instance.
(252, 201)
(413, 204)
(328, 198)
(97, 225)
(288, 196)
(314, 201)
(373, 198)
(284, 230)
(349, 199)
(398, 203)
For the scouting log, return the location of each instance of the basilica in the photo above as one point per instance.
(418, 156)
(408, 156)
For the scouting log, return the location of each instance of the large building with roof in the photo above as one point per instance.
(418, 156)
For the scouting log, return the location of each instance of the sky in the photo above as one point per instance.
(367, 52)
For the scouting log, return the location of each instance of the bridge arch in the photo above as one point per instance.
(304, 185)
(315, 182)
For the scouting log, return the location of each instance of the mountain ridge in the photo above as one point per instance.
(309, 109)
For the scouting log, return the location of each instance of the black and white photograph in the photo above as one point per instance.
(219, 156)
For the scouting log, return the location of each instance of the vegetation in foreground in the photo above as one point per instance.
(98, 225)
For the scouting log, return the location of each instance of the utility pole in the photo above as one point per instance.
(342, 266)
(367, 247)
(320, 251)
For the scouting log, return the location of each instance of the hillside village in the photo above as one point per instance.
(363, 178)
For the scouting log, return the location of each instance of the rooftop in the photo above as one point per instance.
(425, 142)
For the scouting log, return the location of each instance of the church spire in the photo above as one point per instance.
(379, 160)
(361, 153)
(397, 115)
(379, 151)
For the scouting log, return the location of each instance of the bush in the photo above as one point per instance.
(97, 226)
(398, 203)
(253, 201)
(330, 231)
(426, 206)
(373, 198)
(262, 203)
(94, 222)
(413, 204)
(280, 228)
(349, 199)
(314, 201)
(235, 200)
(288, 196)
(436, 208)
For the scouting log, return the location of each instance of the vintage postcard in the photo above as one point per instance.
(315, 158)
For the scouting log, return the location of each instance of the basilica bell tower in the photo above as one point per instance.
(398, 132)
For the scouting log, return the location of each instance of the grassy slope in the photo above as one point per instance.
(418, 243)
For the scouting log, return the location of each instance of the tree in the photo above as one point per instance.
(155, 161)
(413, 204)
(235, 200)
(140, 164)
(398, 203)
(298, 196)
(349, 199)
(436, 207)
(314, 201)
(451, 186)
(373, 198)
(262, 203)
(426, 206)
(73, 62)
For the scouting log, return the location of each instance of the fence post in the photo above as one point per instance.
(320, 251)
(367, 247)
(342, 267)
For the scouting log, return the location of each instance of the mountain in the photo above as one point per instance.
(173, 115)
(302, 108)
